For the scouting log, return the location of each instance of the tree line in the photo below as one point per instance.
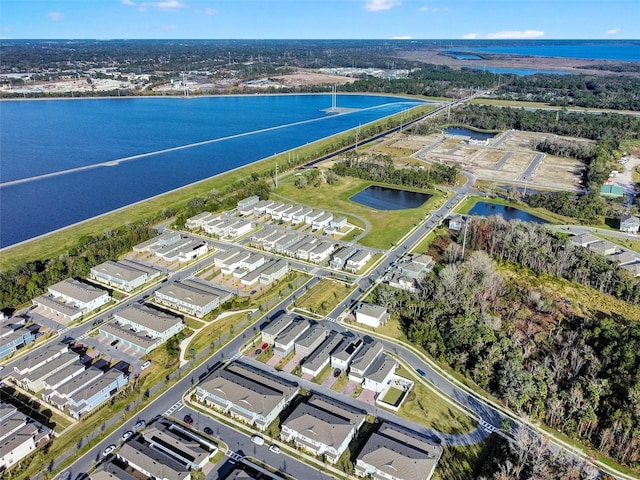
(380, 168)
(576, 372)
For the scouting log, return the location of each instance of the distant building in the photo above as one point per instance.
(245, 206)
(192, 297)
(456, 222)
(13, 337)
(396, 453)
(152, 463)
(630, 224)
(34, 380)
(179, 444)
(124, 274)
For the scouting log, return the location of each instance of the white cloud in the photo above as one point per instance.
(55, 16)
(515, 34)
(613, 31)
(210, 11)
(165, 4)
(423, 9)
(471, 36)
(128, 2)
(379, 5)
(402, 37)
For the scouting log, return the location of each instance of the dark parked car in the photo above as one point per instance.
(188, 420)
(258, 351)
(337, 372)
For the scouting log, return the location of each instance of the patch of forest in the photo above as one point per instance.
(528, 346)
(615, 92)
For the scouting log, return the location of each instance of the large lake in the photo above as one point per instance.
(64, 161)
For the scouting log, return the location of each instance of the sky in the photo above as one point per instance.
(320, 19)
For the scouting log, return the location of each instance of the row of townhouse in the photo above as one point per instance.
(302, 247)
(409, 271)
(625, 259)
(20, 435)
(237, 261)
(14, 336)
(296, 214)
(65, 382)
(164, 450)
(320, 425)
(125, 275)
(141, 327)
(172, 246)
(70, 299)
(270, 272)
(194, 297)
(365, 361)
(350, 259)
(221, 225)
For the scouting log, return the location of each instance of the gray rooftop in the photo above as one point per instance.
(366, 355)
(153, 461)
(380, 368)
(322, 353)
(310, 336)
(293, 331)
(278, 325)
(148, 318)
(372, 310)
(79, 291)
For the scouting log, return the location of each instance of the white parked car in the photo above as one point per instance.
(275, 449)
(108, 450)
(257, 439)
(127, 435)
(146, 364)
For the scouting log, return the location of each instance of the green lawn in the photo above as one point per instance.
(340, 383)
(323, 297)
(387, 227)
(424, 407)
(393, 396)
(212, 332)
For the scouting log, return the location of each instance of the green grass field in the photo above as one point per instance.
(323, 296)
(387, 226)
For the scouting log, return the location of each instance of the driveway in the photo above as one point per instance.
(368, 396)
(330, 380)
(274, 360)
(293, 363)
(350, 388)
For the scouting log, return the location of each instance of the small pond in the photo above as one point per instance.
(484, 209)
(463, 56)
(383, 198)
(466, 132)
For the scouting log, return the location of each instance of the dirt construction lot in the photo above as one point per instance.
(512, 159)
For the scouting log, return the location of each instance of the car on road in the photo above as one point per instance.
(275, 449)
(145, 365)
(188, 419)
(257, 439)
(208, 430)
(127, 435)
(108, 450)
(140, 424)
(421, 372)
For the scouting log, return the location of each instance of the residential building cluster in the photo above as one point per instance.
(193, 296)
(351, 259)
(125, 275)
(250, 267)
(408, 271)
(221, 225)
(62, 380)
(14, 335)
(172, 246)
(303, 247)
(625, 259)
(20, 435)
(70, 299)
(164, 450)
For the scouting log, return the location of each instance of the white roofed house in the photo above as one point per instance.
(321, 252)
(192, 451)
(193, 251)
(371, 315)
(313, 215)
(337, 223)
(285, 341)
(124, 274)
(260, 207)
(339, 259)
(322, 221)
(237, 229)
(245, 206)
(170, 253)
(166, 238)
(303, 251)
(197, 221)
(287, 216)
(90, 397)
(269, 209)
(34, 380)
(396, 453)
(299, 216)
(630, 224)
(277, 212)
(322, 426)
(70, 299)
(273, 271)
(358, 261)
(39, 357)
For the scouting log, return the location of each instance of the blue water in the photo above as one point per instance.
(521, 72)
(383, 198)
(485, 209)
(463, 56)
(628, 51)
(466, 132)
(47, 136)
